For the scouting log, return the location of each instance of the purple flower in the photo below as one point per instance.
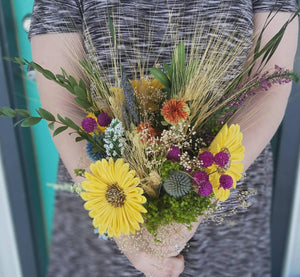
(221, 159)
(174, 154)
(89, 124)
(205, 189)
(226, 181)
(206, 159)
(104, 119)
(200, 177)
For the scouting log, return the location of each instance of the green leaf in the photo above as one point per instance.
(161, 77)
(60, 78)
(168, 69)
(49, 75)
(112, 30)
(17, 123)
(71, 123)
(82, 84)
(30, 121)
(16, 60)
(83, 103)
(61, 119)
(8, 112)
(80, 92)
(23, 112)
(72, 81)
(180, 53)
(45, 114)
(79, 139)
(59, 130)
(37, 67)
(51, 126)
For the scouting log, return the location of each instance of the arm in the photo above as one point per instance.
(53, 52)
(261, 116)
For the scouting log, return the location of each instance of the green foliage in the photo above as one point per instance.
(167, 210)
(30, 121)
(7, 112)
(59, 130)
(168, 167)
(176, 75)
(78, 89)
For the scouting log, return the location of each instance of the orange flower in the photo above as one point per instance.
(175, 111)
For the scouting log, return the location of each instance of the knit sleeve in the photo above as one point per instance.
(55, 16)
(276, 5)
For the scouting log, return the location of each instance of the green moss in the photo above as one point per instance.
(168, 167)
(167, 209)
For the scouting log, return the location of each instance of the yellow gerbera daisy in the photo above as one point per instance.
(228, 153)
(113, 198)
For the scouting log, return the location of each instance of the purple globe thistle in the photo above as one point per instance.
(221, 159)
(104, 119)
(89, 124)
(199, 177)
(226, 181)
(174, 154)
(205, 189)
(206, 159)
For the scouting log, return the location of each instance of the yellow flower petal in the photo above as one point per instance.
(114, 216)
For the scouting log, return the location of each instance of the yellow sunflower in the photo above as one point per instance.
(228, 153)
(113, 197)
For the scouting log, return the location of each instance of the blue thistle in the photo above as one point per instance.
(92, 153)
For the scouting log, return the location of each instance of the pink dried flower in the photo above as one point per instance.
(104, 119)
(206, 159)
(89, 124)
(226, 181)
(205, 189)
(221, 159)
(174, 154)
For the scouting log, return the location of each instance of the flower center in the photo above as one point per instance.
(115, 196)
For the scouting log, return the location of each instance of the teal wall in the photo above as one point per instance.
(45, 151)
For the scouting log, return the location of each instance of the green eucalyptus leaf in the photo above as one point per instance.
(61, 119)
(83, 103)
(72, 81)
(60, 78)
(30, 121)
(82, 84)
(71, 123)
(49, 75)
(45, 114)
(8, 112)
(51, 126)
(79, 139)
(22, 112)
(37, 67)
(17, 123)
(80, 92)
(59, 130)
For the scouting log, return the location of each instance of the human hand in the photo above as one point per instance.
(153, 266)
